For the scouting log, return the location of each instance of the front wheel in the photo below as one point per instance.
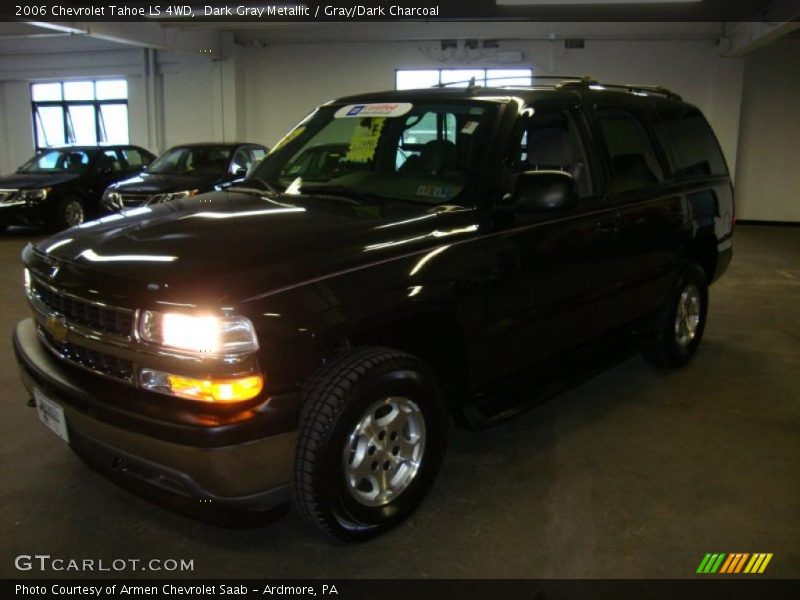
(372, 437)
(682, 321)
(70, 212)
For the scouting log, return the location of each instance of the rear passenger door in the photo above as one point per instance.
(650, 214)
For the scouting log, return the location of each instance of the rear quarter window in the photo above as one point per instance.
(693, 147)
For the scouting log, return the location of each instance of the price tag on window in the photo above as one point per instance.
(365, 139)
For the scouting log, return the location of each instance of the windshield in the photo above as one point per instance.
(193, 160)
(426, 153)
(57, 161)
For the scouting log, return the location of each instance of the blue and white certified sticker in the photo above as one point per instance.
(383, 109)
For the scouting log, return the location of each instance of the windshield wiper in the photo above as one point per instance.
(269, 187)
(339, 191)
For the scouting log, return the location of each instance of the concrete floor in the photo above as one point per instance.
(633, 474)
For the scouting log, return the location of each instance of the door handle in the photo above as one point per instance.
(607, 229)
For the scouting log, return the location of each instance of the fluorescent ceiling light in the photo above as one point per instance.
(587, 2)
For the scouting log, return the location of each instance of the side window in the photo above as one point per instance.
(133, 158)
(693, 146)
(75, 161)
(550, 140)
(109, 163)
(633, 161)
(241, 160)
(245, 157)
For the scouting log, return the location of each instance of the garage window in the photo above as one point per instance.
(409, 79)
(80, 112)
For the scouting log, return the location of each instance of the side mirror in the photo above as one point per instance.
(239, 172)
(543, 191)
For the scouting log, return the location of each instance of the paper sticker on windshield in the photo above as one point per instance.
(365, 140)
(469, 127)
(386, 109)
(288, 137)
(435, 191)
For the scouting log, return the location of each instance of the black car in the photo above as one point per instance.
(184, 171)
(62, 187)
(310, 337)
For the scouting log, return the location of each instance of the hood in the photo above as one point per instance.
(156, 183)
(230, 246)
(23, 181)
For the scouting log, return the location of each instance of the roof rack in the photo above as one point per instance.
(472, 84)
(564, 81)
(641, 89)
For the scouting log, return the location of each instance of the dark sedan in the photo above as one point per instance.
(184, 171)
(62, 187)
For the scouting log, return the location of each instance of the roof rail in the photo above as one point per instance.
(642, 89)
(471, 82)
(564, 81)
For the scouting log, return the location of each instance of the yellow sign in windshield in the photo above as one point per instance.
(365, 139)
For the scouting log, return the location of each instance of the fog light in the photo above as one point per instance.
(223, 390)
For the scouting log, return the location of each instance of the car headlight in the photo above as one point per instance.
(34, 195)
(174, 196)
(111, 197)
(201, 334)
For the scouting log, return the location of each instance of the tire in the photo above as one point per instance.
(681, 322)
(348, 417)
(71, 211)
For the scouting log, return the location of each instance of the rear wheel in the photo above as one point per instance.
(371, 439)
(681, 323)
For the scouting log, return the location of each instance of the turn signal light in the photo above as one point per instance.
(227, 390)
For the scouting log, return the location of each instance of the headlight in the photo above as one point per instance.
(173, 196)
(204, 335)
(112, 198)
(34, 195)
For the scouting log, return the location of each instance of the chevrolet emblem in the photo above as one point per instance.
(57, 327)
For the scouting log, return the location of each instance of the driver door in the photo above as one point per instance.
(552, 276)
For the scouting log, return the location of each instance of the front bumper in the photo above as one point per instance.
(22, 213)
(251, 474)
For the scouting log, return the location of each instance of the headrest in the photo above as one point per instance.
(437, 154)
(549, 148)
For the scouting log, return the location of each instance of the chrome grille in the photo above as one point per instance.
(88, 314)
(135, 199)
(99, 362)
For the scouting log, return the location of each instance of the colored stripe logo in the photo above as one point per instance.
(734, 563)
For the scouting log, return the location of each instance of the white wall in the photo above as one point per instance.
(285, 81)
(768, 186)
(94, 60)
(16, 123)
(185, 85)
